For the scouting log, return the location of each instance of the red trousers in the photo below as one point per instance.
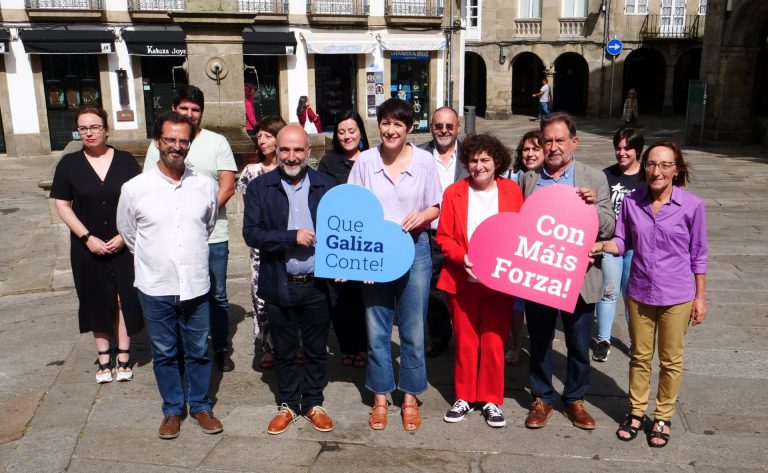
(481, 321)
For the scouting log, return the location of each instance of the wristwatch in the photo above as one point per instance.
(85, 238)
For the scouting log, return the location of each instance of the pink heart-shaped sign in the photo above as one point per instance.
(540, 254)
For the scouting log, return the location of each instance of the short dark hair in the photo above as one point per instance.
(173, 117)
(350, 115)
(563, 117)
(491, 145)
(683, 170)
(529, 135)
(189, 93)
(96, 111)
(634, 139)
(396, 109)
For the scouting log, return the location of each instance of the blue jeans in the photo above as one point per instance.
(406, 298)
(167, 318)
(577, 327)
(615, 275)
(543, 109)
(218, 256)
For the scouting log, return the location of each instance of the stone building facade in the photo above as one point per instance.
(129, 55)
(518, 42)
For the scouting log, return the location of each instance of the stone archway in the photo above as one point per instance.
(571, 82)
(475, 80)
(527, 72)
(686, 69)
(645, 71)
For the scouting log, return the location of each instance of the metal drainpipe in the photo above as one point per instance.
(449, 72)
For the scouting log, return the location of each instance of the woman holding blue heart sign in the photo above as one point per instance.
(404, 180)
(481, 316)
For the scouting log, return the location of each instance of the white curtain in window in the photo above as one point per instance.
(529, 8)
(574, 8)
(639, 7)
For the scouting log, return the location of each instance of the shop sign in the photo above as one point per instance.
(410, 55)
(374, 89)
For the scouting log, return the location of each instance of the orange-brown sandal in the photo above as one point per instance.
(378, 418)
(411, 417)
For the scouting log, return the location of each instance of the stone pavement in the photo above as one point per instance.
(57, 419)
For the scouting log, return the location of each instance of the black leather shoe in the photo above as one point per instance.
(224, 362)
(436, 349)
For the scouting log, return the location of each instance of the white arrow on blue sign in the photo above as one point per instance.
(614, 47)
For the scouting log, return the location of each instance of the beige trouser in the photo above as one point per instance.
(671, 323)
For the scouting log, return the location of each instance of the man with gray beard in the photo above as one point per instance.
(279, 220)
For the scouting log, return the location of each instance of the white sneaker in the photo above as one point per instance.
(456, 413)
(493, 415)
(123, 375)
(104, 377)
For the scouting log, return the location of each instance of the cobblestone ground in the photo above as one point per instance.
(57, 419)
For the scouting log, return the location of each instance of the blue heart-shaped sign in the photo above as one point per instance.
(354, 241)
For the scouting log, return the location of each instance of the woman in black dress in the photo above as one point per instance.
(86, 188)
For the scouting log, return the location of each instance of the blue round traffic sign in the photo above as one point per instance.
(614, 47)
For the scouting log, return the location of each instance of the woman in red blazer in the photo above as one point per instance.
(481, 316)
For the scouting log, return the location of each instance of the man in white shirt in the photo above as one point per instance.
(544, 96)
(444, 148)
(210, 155)
(165, 216)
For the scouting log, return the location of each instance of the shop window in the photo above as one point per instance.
(529, 8)
(410, 82)
(70, 82)
(336, 87)
(636, 7)
(161, 75)
(473, 19)
(263, 73)
(574, 8)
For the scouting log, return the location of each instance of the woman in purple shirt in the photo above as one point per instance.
(404, 179)
(667, 229)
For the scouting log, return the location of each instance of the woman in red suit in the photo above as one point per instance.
(481, 316)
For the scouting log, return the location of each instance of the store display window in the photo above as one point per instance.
(410, 82)
(263, 72)
(161, 75)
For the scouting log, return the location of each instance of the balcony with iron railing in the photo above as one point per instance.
(65, 9)
(657, 27)
(528, 27)
(414, 12)
(572, 27)
(338, 11)
(265, 7)
(156, 5)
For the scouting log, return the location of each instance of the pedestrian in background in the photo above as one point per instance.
(545, 96)
(307, 117)
(251, 122)
(630, 109)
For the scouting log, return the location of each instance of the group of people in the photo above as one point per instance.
(156, 243)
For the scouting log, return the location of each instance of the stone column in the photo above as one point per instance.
(213, 30)
(669, 85)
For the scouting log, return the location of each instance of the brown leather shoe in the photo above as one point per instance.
(170, 427)
(579, 416)
(280, 423)
(208, 422)
(320, 419)
(538, 414)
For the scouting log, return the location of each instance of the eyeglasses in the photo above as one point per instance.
(663, 167)
(183, 144)
(441, 126)
(93, 129)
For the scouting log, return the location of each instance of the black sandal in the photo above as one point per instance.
(626, 427)
(127, 373)
(104, 377)
(657, 432)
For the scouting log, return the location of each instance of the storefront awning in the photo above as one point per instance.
(5, 39)
(155, 41)
(433, 41)
(339, 43)
(67, 40)
(268, 43)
